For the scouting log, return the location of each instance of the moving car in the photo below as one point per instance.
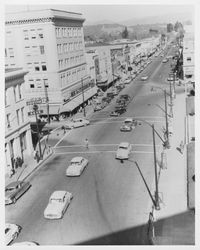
(14, 190)
(77, 165)
(76, 123)
(125, 128)
(144, 78)
(58, 203)
(123, 151)
(130, 122)
(11, 232)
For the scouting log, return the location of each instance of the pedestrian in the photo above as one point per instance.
(86, 143)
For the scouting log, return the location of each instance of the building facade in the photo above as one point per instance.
(50, 45)
(18, 140)
(188, 53)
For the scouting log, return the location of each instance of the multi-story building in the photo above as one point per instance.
(50, 45)
(18, 140)
(188, 53)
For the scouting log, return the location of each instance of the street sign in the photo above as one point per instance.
(38, 100)
(37, 112)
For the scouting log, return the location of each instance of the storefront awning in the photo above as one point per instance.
(71, 105)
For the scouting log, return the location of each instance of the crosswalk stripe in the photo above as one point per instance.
(103, 145)
(95, 152)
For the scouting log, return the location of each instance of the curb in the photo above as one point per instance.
(37, 166)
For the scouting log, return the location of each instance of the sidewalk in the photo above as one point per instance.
(174, 223)
(30, 164)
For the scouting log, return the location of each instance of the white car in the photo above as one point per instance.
(76, 123)
(77, 166)
(144, 78)
(58, 203)
(123, 151)
(127, 81)
(25, 243)
(11, 232)
(130, 122)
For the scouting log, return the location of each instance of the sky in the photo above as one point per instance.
(113, 12)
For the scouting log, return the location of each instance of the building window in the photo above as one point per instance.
(41, 35)
(11, 52)
(22, 114)
(23, 142)
(6, 97)
(37, 68)
(15, 93)
(189, 59)
(44, 67)
(8, 120)
(17, 112)
(26, 37)
(41, 49)
(33, 34)
(32, 86)
(5, 52)
(46, 84)
(20, 91)
(38, 83)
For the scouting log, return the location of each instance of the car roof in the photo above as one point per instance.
(77, 159)
(14, 184)
(124, 144)
(128, 120)
(58, 194)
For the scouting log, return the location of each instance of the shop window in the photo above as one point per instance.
(44, 67)
(32, 86)
(37, 68)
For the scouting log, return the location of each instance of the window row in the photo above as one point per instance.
(69, 32)
(33, 34)
(71, 61)
(80, 89)
(38, 83)
(15, 91)
(17, 119)
(66, 47)
(72, 76)
(34, 50)
(36, 66)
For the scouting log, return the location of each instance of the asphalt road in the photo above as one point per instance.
(111, 203)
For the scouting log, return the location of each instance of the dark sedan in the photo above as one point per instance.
(14, 190)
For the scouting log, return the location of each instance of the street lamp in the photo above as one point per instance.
(156, 203)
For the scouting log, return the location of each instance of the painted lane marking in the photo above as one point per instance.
(62, 138)
(95, 152)
(103, 145)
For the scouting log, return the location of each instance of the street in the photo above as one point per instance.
(109, 197)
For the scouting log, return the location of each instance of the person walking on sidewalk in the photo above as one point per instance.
(86, 143)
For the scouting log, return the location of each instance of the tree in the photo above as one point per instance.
(125, 33)
(170, 27)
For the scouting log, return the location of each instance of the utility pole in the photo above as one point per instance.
(83, 98)
(171, 102)
(35, 108)
(47, 101)
(157, 206)
(166, 119)
(174, 91)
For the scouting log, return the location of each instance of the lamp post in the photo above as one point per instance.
(47, 101)
(84, 113)
(35, 108)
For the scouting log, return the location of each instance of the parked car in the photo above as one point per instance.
(11, 232)
(123, 151)
(15, 190)
(76, 123)
(144, 78)
(127, 81)
(115, 113)
(164, 60)
(58, 203)
(77, 165)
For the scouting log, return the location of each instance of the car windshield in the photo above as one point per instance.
(7, 230)
(9, 189)
(127, 122)
(56, 200)
(75, 163)
(122, 147)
